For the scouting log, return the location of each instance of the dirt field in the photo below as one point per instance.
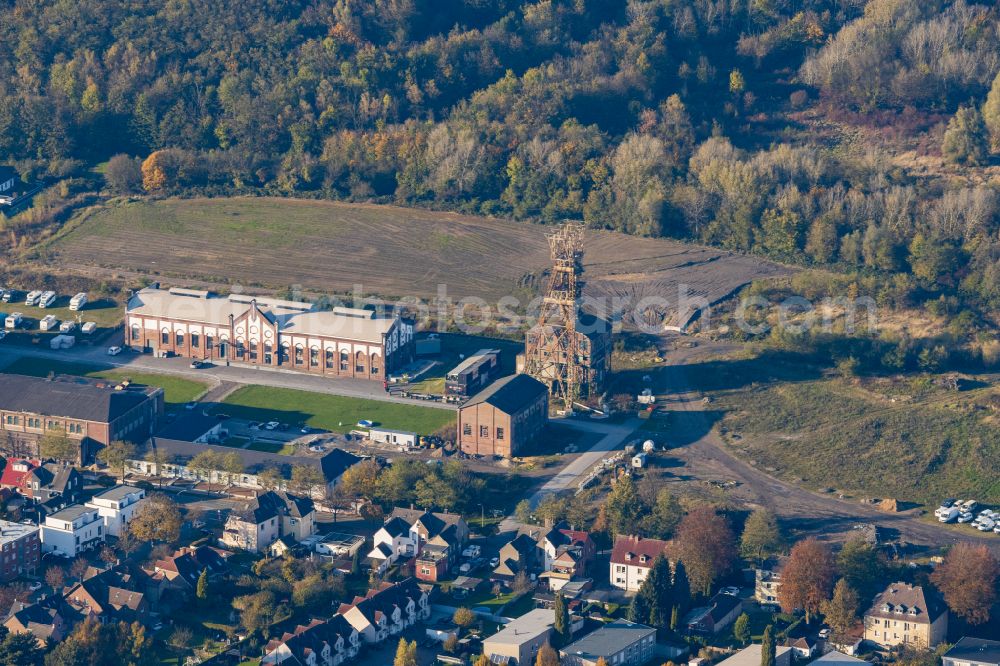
(393, 252)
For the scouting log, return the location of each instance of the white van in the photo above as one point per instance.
(78, 301)
(46, 299)
(13, 320)
(32, 297)
(48, 323)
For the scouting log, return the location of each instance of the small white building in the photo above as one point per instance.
(639, 460)
(117, 506)
(73, 530)
(399, 438)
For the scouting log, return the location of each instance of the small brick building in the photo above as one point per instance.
(505, 418)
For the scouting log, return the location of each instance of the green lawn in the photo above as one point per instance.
(104, 312)
(273, 447)
(330, 412)
(176, 390)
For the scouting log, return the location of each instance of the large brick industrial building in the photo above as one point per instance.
(504, 419)
(91, 412)
(343, 342)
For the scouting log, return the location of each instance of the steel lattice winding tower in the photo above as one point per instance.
(553, 352)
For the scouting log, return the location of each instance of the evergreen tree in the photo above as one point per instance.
(741, 629)
(767, 649)
(658, 591)
(21, 649)
(965, 140)
(202, 589)
(638, 610)
(675, 617)
(991, 114)
(681, 587)
(562, 620)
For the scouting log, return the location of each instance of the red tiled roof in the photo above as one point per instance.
(637, 546)
(14, 478)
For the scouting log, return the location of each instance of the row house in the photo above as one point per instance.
(320, 643)
(387, 610)
(266, 518)
(48, 620)
(433, 540)
(631, 560)
(20, 550)
(110, 596)
(342, 342)
(55, 485)
(184, 567)
(91, 413)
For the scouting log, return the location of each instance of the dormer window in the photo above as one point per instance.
(914, 610)
(643, 558)
(628, 556)
(887, 608)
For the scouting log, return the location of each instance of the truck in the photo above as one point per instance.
(47, 299)
(78, 301)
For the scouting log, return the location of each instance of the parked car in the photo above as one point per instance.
(494, 562)
(114, 351)
(196, 364)
(271, 425)
(986, 525)
(966, 517)
(365, 423)
(824, 633)
(731, 591)
(949, 515)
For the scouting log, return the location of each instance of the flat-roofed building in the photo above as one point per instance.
(973, 652)
(117, 506)
(342, 342)
(521, 639)
(750, 656)
(20, 550)
(622, 643)
(91, 412)
(472, 375)
(505, 419)
(73, 530)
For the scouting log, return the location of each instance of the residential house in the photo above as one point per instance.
(906, 614)
(520, 554)
(72, 530)
(20, 550)
(46, 620)
(184, 567)
(53, 484)
(169, 458)
(972, 652)
(92, 413)
(631, 559)
(387, 610)
(566, 554)
(767, 582)
(505, 419)
(720, 612)
(110, 596)
(407, 532)
(803, 645)
(117, 506)
(8, 179)
(266, 518)
(622, 643)
(320, 643)
(750, 656)
(521, 639)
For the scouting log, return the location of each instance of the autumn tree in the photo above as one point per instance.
(706, 545)
(232, 465)
(841, 610)
(406, 653)
(807, 577)
(360, 480)
(306, 479)
(158, 519)
(547, 656)
(21, 649)
(257, 611)
(463, 617)
(966, 140)
(761, 536)
(968, 579)
(116, 456)
(201, 591)
(991, 114)
(123, 175)
(55, 445)
(205, 464)
(55, 577)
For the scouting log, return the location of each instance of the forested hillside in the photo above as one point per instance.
(853, 134)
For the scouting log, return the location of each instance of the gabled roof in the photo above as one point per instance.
(69, 397)
(975, 650)
(189, 562)
(913, 603)
(15, 478)
(312, 637)
(636, 547)
(396, 527)
(510, 394)
(272, 504)
(384, 599)
(523, 544)
(436, 524)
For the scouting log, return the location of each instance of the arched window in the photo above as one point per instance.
(359, 361)
(374, 364)
(314, 357)
(179, 335)
(253, 350)
(299, 360)
(135, 333)
(345, 360)
(329, 359)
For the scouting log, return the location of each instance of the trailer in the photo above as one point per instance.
(88, 328)
(13, 320)
(47, 299)
(78, 301)
(32, 297)
(67, 327)
(48, 323)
